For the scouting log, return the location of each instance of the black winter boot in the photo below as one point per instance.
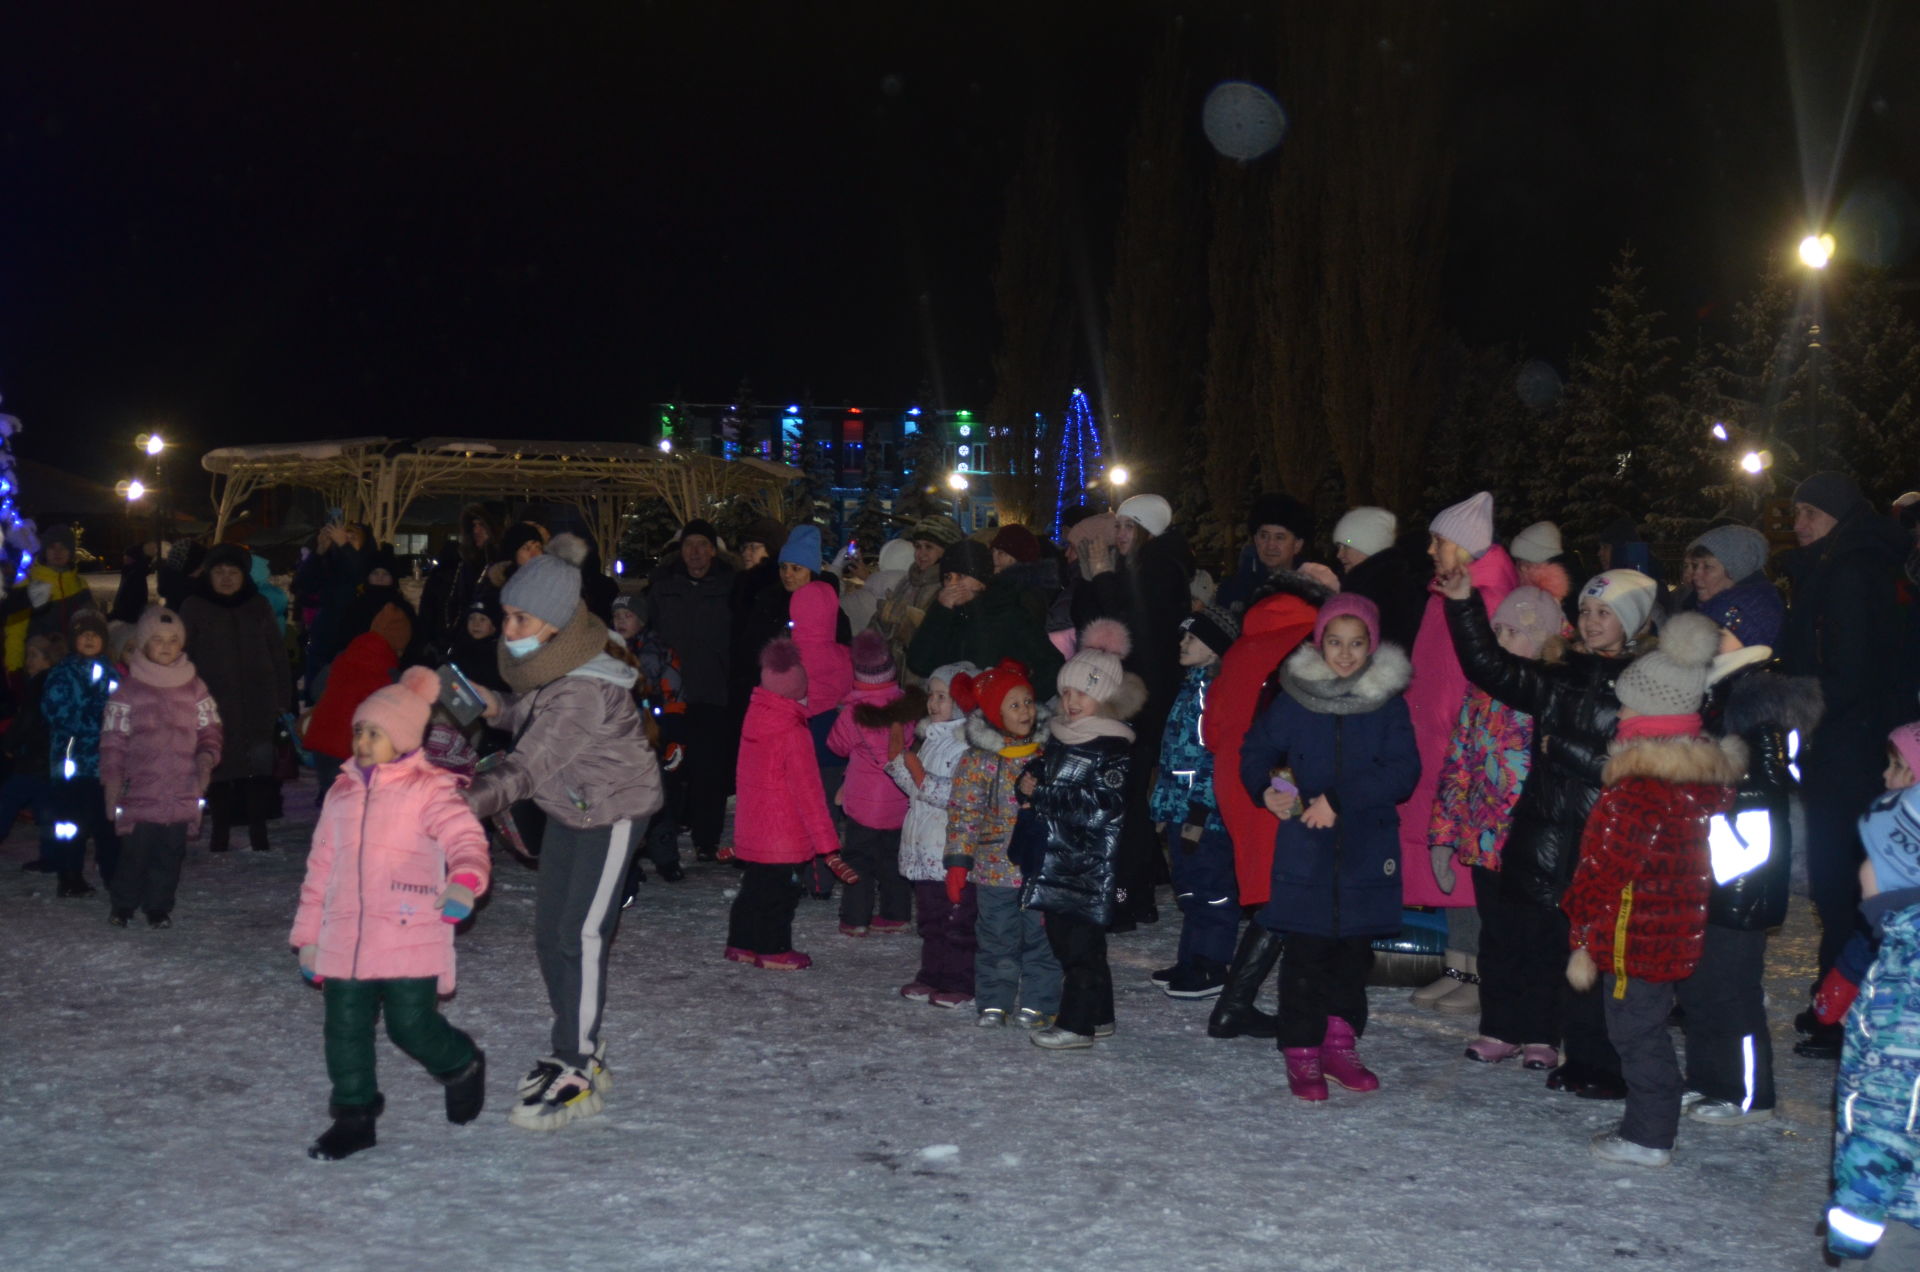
(73, 884)
(1234, 1015)
(466, 1089)
(352, 1130)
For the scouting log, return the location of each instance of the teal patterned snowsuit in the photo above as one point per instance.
(1876, 1147)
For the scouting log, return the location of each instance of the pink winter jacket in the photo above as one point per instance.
(868, 795)
(1433, 699)
(382, 855)
(781, 813)
(815, 614)
(160, 741)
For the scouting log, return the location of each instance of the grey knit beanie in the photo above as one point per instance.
(1742, 551)
(545, 587)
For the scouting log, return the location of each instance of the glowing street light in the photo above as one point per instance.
(1720, 431)
(666, 446)
(1753, 462)
(1816, 250)
(151, 443)
(1118, 475)
(957, 482)
(130, 490)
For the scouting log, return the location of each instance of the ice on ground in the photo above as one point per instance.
(162, 1088)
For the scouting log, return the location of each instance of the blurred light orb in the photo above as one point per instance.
(958, 481)
(1720, 431)
(1242, 121)
(1816, 250)
(1118, 475)
(1751, 462)
(1538, 385)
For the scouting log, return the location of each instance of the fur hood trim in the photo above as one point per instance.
(1764, 698)
(1695, 761)
(910, 707)
(1129, 701)
(1289, 583)
(1310, 682)
(982, 736)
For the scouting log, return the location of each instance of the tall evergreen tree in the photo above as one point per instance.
(1873, 352)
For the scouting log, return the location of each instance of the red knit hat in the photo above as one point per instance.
(1017, 542)
(400, 711)
(986, 691)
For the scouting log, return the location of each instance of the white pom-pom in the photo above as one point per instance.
(1691, 640)
(1109, 634)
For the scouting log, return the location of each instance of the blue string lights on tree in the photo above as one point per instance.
(16, 531)
(1079, 451)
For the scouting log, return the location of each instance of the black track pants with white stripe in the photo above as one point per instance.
(575, 914)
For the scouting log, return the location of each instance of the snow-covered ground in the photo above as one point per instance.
(160, 1089)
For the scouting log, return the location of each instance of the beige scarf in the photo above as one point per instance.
(579, 642)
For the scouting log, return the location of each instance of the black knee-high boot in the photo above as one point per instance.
(1234, 1015)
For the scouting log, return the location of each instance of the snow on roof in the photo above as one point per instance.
(227, 455)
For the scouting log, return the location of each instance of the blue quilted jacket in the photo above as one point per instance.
(1878, 1095)
(1183, 793)
(73, 703)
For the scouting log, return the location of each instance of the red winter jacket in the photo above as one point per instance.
(1638, 901)
(365, 665)
(1272, 629)
(781, 812)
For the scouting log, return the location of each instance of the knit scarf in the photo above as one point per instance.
(1635, 728)
(579, 642)
(1087, 728)
(168, 676)
(1019, 750)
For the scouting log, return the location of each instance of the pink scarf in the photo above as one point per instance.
(1634, 728)
(171, 676)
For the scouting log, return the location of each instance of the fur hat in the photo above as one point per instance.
(1628, 593)
(1349, 605)
(943, 531)
(1366, 530)
(1905, 740)
(400, 711)
(1150, 512)
(1017, 542)
(545, 587)
(966, 557)
(1533, 614)
(1538, 543)
(873, 659)
(87, 620)
(1743, 552)
(1095, 670)
(1213, 627)
(1468, 523)
(766, 532)
(987, 691)
(1835, 494)
(781, 670)
(802, 548)
(154, 620)
(1278, 508)
(1672, 680)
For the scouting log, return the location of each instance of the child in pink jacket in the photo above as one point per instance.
(159, 743)
(875, 807)
(780, 817)
(397, 860)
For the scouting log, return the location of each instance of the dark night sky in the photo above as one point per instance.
(456, 219)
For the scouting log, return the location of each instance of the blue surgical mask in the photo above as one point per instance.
(521, 648)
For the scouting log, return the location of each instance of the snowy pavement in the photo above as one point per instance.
(160, 1089)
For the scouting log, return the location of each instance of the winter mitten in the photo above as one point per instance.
(1581, 971)
(39, 592)
(675, 754)
(841, 870)
(1835, 995)
(309, 955)
(1443, 867)
(456, 900)
(956, 883)
(915, 769)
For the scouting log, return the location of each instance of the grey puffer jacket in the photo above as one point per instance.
(579, 750)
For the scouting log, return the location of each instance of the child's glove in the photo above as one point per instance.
(675, 754)
(309, 955)
(1581, 972)
(724, 853)
(1443, 867)
(956, 883)
(841, 870)
(456, 899)
(1835, 995)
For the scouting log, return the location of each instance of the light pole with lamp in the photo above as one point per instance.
(1816, 253)
(957, 483)
(154, 447)
(1117, 479)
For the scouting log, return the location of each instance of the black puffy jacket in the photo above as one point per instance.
(1574, 709)
(1079, 803)
(1395, 580)
(1761, 708)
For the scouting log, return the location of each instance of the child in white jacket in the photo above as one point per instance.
(925, 773)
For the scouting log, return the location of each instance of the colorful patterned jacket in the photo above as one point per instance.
(1638, 901)
(1480, 780)
(1874, 1141)
(1183, 793)
(983, 805)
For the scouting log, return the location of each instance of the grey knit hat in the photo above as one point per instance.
(545, 587)
(1672, 680)
(1742, 551)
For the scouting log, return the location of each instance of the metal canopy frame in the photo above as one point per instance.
(376, 479)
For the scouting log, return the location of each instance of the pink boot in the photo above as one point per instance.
(1341, 1062)
(1303, 1073)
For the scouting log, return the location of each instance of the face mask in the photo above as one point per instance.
(521, 648)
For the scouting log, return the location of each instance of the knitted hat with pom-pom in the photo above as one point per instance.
(781, 671)
(400, 711)
(1095, 670)
(987, 691)
(1672, 680)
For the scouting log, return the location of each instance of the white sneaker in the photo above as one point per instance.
(569, 1097)
(1058, 1039)
(1103, 1031)
(1609, 1147)
(991, 1017)
(539, 1078)
(1725, 1113)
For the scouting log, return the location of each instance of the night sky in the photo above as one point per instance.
(253, 225)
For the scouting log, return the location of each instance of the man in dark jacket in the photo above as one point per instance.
(979, 618)
(1279, 530)
(1392, 575)
(1843, 628)
(689, 607)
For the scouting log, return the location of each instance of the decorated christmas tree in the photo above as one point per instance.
(1079, 454)
(16, 532)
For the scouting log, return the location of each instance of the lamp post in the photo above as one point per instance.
(1816, 252)
(957, 483)
(154, 447)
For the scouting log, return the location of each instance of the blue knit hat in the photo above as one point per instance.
(802, 548)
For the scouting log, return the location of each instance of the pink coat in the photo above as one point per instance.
(815, 614)
(160, 741)
(1439, 687)
(382, 854)
(780, 814)
(868, 795)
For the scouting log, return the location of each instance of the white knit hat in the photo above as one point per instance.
(1366, 530)
(1538, 543)
(1150, 512)
(1672, 680)
(1628, 593)
(1468, 523)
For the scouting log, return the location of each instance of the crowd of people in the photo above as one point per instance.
(1593, 774)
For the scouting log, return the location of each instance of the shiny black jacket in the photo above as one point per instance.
(1079, 804)
(1574, 709)
(1761, 708)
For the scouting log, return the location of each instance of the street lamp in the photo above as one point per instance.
(957, 483)
(1816, 250)
(151, 443)
(1756, 462)
(1118, 475)
(130, 490)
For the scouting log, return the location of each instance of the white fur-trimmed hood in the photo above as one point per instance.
(1309, 681)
